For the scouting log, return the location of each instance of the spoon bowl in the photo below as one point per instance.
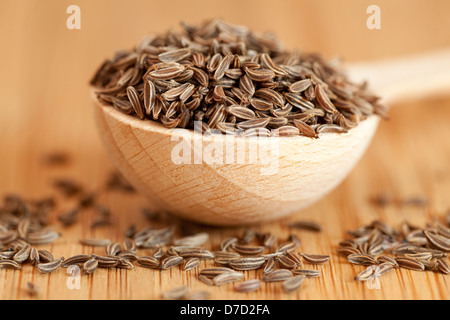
(285, 175)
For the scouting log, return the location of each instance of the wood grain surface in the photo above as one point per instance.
(45, 108)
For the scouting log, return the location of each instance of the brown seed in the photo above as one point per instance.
(247, 263)
(113, 249)
(310, 273)
(422, 256)
(200, 253)
(96, 242)
(270, 266)
(418, 201)
(10, 264)
(248, 286)
(387, 259)
(438, 241)
(148, 262)
(227, 277)
(271, 96)
(383, 268)
(362, 259)
(241, 64)
(223, 66)
(74, 260)
(260, 75)
(213, 272)
(124, 264)
(299, 102)
(443, 266)
(409, 263)
(346, 251)
(300, 86)
(247, 249)
(90, 266)
(32, 289)
(34, 256)
(234, 73)
(287, 246)
(50, 266)
(190, 264)
(192, 241)
(330, 128)
(176, 293)
(293, 283)
(23, 254)
(133, 96)
(260, 104)
(200, 76)
(305, 225)
(167, 73)
(366, 274)
(23, 226)
(267, 62)
(171, 262)
(278, 275)
(315, 258)
(324, 100)
(241, 112)
(305, 129)
(42, 237)
(287, 131)
(226, 255)
(175, 55)
(45, 256)
(198, 295)
(288, 263)
(149, 96)
(106, 262)
(253, 124)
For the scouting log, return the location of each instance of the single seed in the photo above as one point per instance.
(50, 266)
(90, 266)
(191, 263)
(315, 258)
(171, 262)
(248, 286)
(293, 283)
(409, 263)
(310, 273)
(278, 275)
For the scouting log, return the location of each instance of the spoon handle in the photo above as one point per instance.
(406, 78)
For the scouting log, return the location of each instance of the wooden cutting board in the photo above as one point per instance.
(45, 108)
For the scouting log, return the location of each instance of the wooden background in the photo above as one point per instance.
(45, 107)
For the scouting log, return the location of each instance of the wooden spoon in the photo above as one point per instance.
(302, 170)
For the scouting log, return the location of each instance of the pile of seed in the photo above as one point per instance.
(382, 248)
(234, 80)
